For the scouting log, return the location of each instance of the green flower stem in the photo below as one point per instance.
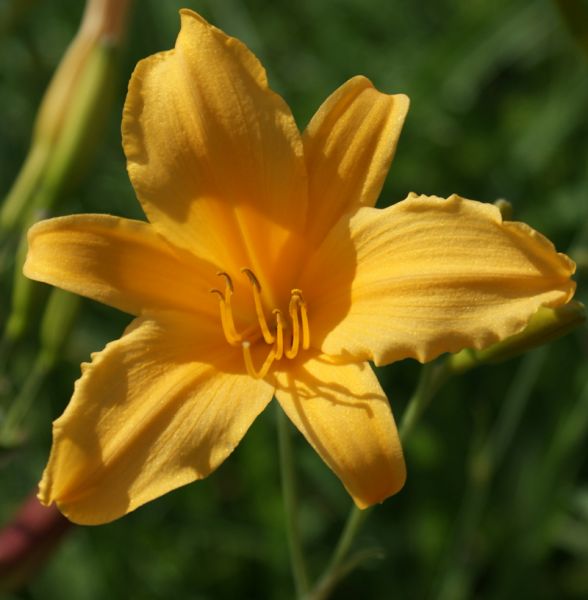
(355, 521)
(56, 325)
(456, 576)
(514, 405)
(28, 297)
(432, 378)
(24, 188)
(299, 570)
(11, 431)
(339, 565)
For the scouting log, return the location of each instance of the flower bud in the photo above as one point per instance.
(546, 324)
(71, 114)
(505, 208)
(69, 122)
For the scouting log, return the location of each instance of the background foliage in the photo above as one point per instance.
(496, 503)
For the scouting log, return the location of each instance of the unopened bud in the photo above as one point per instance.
(71, 113)
(505, 208)
(69, 124)
(544, 326)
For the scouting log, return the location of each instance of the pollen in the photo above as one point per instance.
(284, 336)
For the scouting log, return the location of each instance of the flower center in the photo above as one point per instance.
(285, 337)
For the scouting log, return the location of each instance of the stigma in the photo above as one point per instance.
(285, 336)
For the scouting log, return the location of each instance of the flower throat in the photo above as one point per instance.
(286, 338)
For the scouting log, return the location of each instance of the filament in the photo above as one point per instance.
(265, 331)
(279, 345)
(228, 310)
(267, 363)
(303, 317)
(295, 343)
(226, 319)
(298, 338)
(305, 328)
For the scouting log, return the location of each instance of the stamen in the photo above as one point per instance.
(279, 346)
(304, 319)
(305, 327)
(295, 343)
(267, 334)
(228, 280)
(267, 363)
(230, 335)
(228, 307)
(298, 339)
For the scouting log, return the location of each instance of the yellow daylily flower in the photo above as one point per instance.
(308, 281)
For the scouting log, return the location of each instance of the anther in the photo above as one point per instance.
(286, 339)
(265, 331)
(227, 278)
(267, 363)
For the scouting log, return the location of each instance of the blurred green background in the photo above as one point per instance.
(499, 109)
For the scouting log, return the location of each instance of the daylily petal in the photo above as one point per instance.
(214, 155)
(159, 408)
(428, 276)
(344, 414)
(119, 262)
(348, 146)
